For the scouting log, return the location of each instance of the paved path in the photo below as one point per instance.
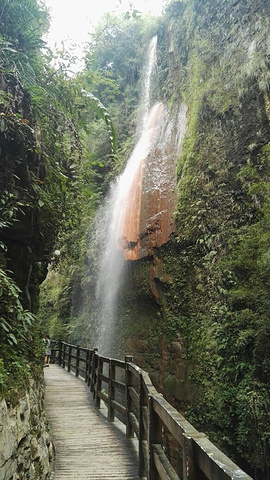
(87, 446)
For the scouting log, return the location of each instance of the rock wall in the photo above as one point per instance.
(195, 311)
(147, 214)
(26, 450)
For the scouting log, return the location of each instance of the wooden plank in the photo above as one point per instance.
(164, 468)
(172, 419)
(87, 446)
(134, 396)
(214, 463)
(135, 424)
(121, 387)
(118, 363)
(118, 407)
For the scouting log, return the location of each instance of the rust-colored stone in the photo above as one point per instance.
(148, 216)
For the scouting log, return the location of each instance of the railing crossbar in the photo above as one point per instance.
(166, 471)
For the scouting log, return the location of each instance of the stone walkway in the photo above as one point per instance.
(87, 446)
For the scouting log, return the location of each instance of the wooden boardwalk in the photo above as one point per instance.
(87, 445)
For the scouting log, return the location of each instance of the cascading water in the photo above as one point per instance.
(148, 79)
(132, 229)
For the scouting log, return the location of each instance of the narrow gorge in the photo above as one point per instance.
(135, 216)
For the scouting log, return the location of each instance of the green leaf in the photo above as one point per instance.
(12, 338)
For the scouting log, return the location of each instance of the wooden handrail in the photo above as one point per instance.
(128, 392)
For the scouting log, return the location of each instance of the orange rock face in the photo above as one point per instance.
(147, 213)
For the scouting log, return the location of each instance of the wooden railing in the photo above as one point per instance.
(129, 394)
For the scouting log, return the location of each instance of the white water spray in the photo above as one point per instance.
(148, 74)
(114, 216)
(121, 217)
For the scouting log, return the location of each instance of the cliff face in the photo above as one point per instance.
(194, 310)
(22, 229)
(148, 212)
(26, 449)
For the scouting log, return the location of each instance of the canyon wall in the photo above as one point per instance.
(193, 311)
(26, 450)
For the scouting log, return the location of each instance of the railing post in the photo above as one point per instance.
(154, 437)
(143, 431)
(69, 357)
(90, 369)
(129, 428)
(111, 392)
(64, 356)
(77, 361)
(59, 352)
(188, 459)
(92, 378)
(87, 366)
(98, 382)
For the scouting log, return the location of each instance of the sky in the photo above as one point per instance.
(71, 21)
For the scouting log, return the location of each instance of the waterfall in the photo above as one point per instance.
(127, 226)
(147, 77)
